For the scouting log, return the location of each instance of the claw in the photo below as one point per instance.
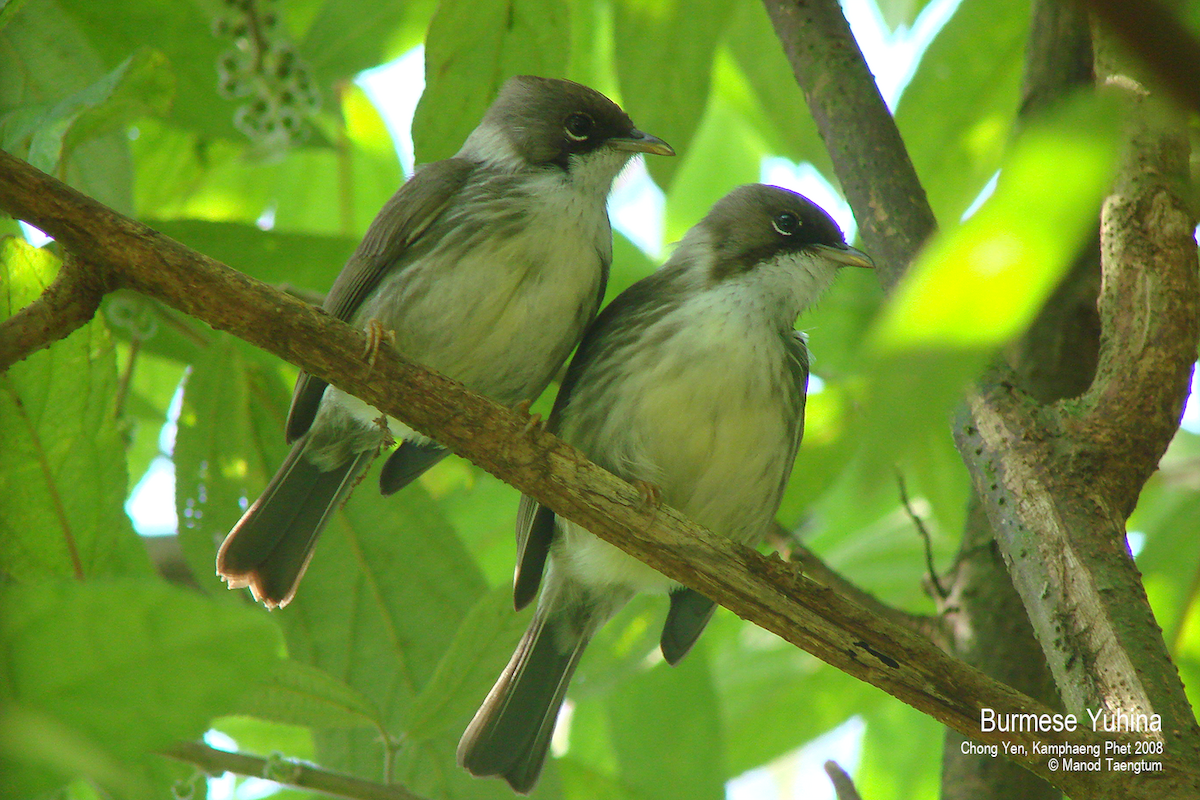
(376, 335)
(533, 421)
(650, 493)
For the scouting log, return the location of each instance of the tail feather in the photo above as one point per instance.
(510, 734)
(269, 548)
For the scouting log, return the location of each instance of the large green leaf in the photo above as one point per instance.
(302, 260)
(101, 674)
(299, 694)
(667, 733)
(140, 85)
(343, 41)
(664, 63)
(470, 50)
(62, 478)
(45, 57)
(773, 92)
(477, 654)
(228, 444)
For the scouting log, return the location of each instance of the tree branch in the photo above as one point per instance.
(766, 591)
(286, 772)
(868, 155)
(66, 304)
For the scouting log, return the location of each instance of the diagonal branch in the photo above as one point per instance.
(766, 591)
(893, 215)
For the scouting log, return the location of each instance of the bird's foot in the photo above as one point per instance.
(532, 421)
(376, 336)
(388, 440)
(650, 493)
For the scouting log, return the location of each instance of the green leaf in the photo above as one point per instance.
(116, 670)
(667, 733)
(664, 63)
(481, 647)
(343, 41)
(140, 86)
(62, 478)
(901, 754)
(470, 50)
(301, 260)
(725, 153)
(45, 57)
(388, 586)
(980, 283)
(957, 113)
(299, 694)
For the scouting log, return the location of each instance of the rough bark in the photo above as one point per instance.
(764, 590)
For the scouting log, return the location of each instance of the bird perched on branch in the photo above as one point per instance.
(691, 384)
(486, 267)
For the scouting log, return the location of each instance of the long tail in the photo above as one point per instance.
(271, 544)
(510, 733)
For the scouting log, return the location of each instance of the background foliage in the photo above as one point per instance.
(403, 620)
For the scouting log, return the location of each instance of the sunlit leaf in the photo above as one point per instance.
(667, 733)
(956, 114)
(62, 478)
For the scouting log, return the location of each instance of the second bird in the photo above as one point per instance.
(692, 381)
(487, 267)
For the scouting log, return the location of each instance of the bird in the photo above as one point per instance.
(487, 267)
(691, 384)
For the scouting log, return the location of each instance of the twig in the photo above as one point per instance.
(925, 537)
(843, 785)
(286, 772)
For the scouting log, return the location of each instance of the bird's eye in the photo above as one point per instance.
(786, 223)
(579, 126)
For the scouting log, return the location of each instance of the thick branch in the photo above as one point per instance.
(286, 772)
(66, 304)
(1059, 481)
(764, 590)
(868, 155)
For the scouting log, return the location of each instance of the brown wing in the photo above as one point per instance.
(400, 223)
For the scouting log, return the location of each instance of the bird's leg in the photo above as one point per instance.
(532, 421)
(376, 335)
(650, 493)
